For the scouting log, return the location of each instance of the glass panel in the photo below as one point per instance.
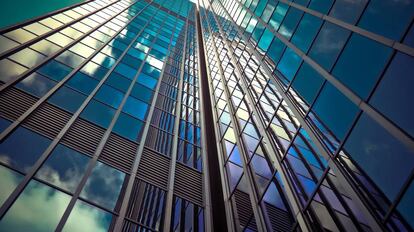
(85, 217)
(348, 11)
(28, 57)
(37, 209)
(380, 155)
(142, 93)
(405, 207)
(147, 81)
(306, 32)
(67, 99)
(55, 70)
(64, 168)
(135, 108)
(335, 110)
(361, 64)
(289, 64)
(36, 84)
(394, 95)
(8, 181)
(94, 70)
(22, 157)
(70, 59)
(109, 95)
(98, 113)
(82, 83)
(128, 127)
(103, 185)
(307, 82)
(9, 70)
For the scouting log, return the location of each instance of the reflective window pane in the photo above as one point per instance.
(67, 99)
(98, 113)
(9, 180)
(36, 84)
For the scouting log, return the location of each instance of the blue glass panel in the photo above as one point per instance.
(98, 113)
(257, 32)
(290, 22)
(289, 64)
(276, 50)
(348, 11)
(335, 110)
(128, 127)
(306, 32)
(131, 61)
(118, 81)
(109, 95)
(67, 99)
(4, 123)
(70, 59)
(322, 6)
(83, 83)
(36, 84)
(328, 44)
(260, 166)
(9, 180)
(307, 82)
(142, 93)
(91, 218)
(361, 64)
(125, 70)
(150, 70)
(389, 18)
(409, 38)
(278, 15)
(37, 209)
(94, 70)
(273, 197)
(381, 156)
(64, 168)
(147, 81)
(103, 186)
(405, 207)
(136, 53)
(22, 157)
(394, 95)
(55, 70)
(135, 108)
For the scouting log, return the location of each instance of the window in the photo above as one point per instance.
(64, 168)
(348, 11)
(9, 180)
(36, 84)
(307, 83)
(306, 32)
(278, 15)
(361, 64)
(381, 156)
(128, 127)
(276, 50)
(9, 70)
(109, 95)
(265, 40)
(118, 81)
(289, 64)
(150, 70)
(328, 44)
(322, 6)
(135, 108)
(92, 218)
(389, 18)
(98, 113)
(55, 70)
(290, 22)
(70, 58)
(82, 83)
(67, 99)
(394, 95)
(142, 93)
(103, 185)
(131, 61)
(22, 157)
(147, 81)
(94, 70)
(38, 208)
(28, 57)
(125, 71)
(405, 207)
(335, 110)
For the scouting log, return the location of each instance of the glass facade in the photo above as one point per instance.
(107, 107)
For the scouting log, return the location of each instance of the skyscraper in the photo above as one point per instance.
(223, 115)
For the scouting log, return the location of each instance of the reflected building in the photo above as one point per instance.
(222, 115)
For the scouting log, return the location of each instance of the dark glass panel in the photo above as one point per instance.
(128, 127)
(67, 99)
(307, 82)
(82, 83)
(135, 108)
(109, 95)
(348, 11)
(36, 84)
(55, 70)
(98, 113)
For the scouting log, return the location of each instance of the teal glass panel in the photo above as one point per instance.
(142, 93)
(64, 168)
(118, 81)
(9, 180)
(103, 185)
(67, 98)
(348, 11)
(389, 18)
(306, 32)
(36, 84)
(278, 15)
(322, 6)
(82, 82)
(150, 70)
(85, 217)
(131, 61)
(289, 64)
(135, 108)
(55, 70)
(258, 31)
(335, 110)
(98, 113)
(290, 22)
(394, 95)
(94, 70)
(276, 50)
(328, 45)
(109, 95)
(37, 209)
(381, 156)
(361, 64)
(265, 40)
(125, 71)
(128, 127)
(22, 157)
(307, 82)
(147, 81)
